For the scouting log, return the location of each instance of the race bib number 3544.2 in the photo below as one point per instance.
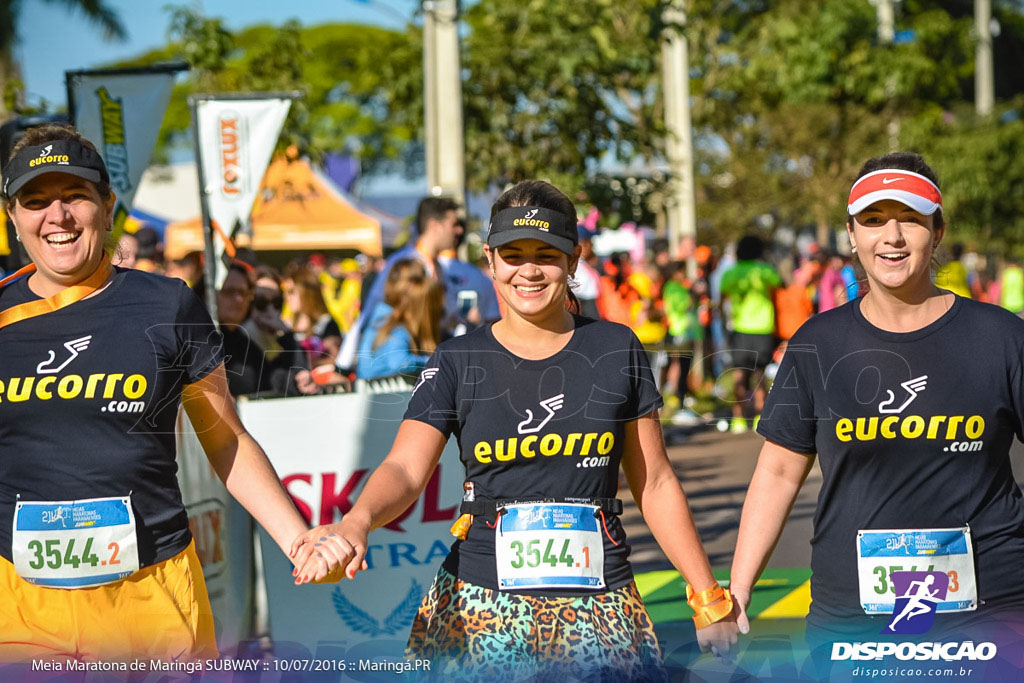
(75, 544)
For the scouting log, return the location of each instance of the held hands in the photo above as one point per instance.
(716, 621)
(326, 552)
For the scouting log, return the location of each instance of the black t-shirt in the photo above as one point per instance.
(912, 430)
(88, 400)
(513, 447)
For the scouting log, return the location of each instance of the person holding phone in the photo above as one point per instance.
(406, 327)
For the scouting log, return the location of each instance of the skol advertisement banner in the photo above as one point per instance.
(236, 138)
(120, 111)
(223, 534)
(324, 449)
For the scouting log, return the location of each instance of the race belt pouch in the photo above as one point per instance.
(76, 543)
(549, 545)
(890, 560)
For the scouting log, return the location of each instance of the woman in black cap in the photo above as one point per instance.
(546, 406)
(96, 558)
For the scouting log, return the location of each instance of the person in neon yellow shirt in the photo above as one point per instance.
(750, 285)
(952, 276)
(1011, 290)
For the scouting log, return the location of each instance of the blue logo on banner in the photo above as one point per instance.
(397, 621)
(917, 594)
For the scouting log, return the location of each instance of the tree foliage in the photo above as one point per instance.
(95, 12)
(788, 99)
(349, 75)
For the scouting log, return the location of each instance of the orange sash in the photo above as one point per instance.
(65, 297)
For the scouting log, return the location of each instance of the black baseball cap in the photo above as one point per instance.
(60, 156)
(533, 223)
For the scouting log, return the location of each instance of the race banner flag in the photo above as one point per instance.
(235, 137)
(120, 111)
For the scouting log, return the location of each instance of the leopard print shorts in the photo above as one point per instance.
(471, 633)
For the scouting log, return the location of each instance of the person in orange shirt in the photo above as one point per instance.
(793, 304)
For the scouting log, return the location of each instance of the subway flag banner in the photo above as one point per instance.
(120, 111)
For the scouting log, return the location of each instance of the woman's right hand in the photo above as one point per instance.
(330, 549)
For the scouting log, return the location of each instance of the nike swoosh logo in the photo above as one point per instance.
(886, 181)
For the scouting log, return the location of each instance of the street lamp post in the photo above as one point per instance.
(984, 87)
(680, 209)
(442, 100)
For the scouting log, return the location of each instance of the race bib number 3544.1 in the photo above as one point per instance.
(880, 552)
(549, 545)
(75, 544)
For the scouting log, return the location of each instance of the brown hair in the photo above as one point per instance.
(311, 296)
(52, 132)
(546, 196)
(417, 301)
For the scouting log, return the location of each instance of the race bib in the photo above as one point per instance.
(882, 552)
(549, 545)
(75, 544)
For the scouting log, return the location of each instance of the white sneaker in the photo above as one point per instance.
(684, 417)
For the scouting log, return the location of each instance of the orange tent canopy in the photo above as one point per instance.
(296, 209)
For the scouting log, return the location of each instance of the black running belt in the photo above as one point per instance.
(490, 507)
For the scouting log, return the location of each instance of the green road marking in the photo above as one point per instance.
(664, 593)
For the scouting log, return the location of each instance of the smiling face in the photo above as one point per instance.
(532, 277)
(895, 245)
(63, 222)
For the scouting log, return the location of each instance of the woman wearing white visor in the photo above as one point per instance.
(911, 396)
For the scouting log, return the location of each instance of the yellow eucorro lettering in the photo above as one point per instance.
(526, 447)
(954, 422)
(933, 425)
(134, 386)
(111, 384)
(551, 444)
(21, 389)
(43, 392)
(70, 386)
(887, 428)
(505, 449)
(605, 443)
(912, 427)
(94, 380)
(975, 427)
(867, 429)
(843, 428)
(482, 451)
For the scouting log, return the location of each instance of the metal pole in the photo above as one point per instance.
(442, 80)
(984, 85)
(210, 254)
(887, 36)
(681, 205)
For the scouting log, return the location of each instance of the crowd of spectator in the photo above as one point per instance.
(714, 331)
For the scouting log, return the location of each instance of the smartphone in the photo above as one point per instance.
(467, 301)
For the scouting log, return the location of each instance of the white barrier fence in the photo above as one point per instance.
(324, 449)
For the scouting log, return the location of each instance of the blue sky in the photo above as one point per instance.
(54, 40)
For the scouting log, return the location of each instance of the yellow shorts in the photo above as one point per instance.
(159, 612)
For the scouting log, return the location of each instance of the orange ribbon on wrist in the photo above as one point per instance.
(710, 605)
